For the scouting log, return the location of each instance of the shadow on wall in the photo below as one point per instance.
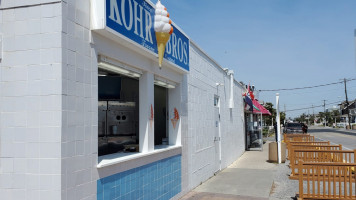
(231, 116)
(224, 86)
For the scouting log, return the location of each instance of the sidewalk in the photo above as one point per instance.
(251, 177)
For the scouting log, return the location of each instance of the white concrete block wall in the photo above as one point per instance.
(48, 103)
(202, 79)
(30, 95)
(184, 135)
(233, 132)
(21, 3)
(80, 103)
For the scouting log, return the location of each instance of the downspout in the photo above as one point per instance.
(231, 100)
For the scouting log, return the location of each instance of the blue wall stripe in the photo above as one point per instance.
(160, 180)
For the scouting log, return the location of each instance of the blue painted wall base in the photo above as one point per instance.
(160, 180)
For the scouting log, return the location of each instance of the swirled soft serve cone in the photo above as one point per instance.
(163, 29)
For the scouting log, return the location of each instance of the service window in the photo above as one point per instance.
(118, 125)
(119, 112)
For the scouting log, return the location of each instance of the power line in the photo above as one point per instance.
(313, 106)
(304, 108)
(314, 103)
(321, 91)
(307, 87)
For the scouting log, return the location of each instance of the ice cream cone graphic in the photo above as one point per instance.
(151, 116)
(175, 118)
(163, 29)
(162, 39)
(174, 123)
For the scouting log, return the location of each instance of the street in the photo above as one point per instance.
(285, 188)
(336, 136)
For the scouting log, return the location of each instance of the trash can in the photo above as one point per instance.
(273, 153)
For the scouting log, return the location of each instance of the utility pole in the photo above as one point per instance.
(347, 104)
(313, 115)
(324, 114)
(285, 114)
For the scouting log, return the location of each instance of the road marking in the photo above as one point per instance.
(334, 143)
(352, 168)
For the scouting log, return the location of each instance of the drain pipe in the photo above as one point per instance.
(231, 100)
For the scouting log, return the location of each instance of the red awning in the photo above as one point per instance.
(260, 109)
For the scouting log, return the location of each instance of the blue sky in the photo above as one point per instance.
(277, 44)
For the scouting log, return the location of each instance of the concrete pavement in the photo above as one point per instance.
(335, 136)
(250, 177)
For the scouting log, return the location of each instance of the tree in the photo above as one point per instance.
(336, 115)
(282, 116)
(268, 119)
(269, 107)
(332, 117)
(329, 117)
(302, 118)
(321, 117)
(311, 119)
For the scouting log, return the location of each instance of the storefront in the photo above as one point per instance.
(139, 102)
(254, 113)
(88, 113)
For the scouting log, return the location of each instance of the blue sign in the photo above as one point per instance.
(135, 20)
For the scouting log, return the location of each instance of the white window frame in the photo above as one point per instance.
(147, 80)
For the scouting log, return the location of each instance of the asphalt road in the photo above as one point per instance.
(337, 136)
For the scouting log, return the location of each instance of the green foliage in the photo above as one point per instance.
(268, 119)
(330, 117)
(265, 132)
(302, 118)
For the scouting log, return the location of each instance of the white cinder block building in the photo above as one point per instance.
(86, 113)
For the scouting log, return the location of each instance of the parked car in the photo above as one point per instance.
(293, 128)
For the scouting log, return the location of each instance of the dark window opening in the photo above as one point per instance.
(118, 126)
(160, 118)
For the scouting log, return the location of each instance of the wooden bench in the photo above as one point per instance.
(287, 136)
(298, 138)
(326, 181)
(312, 146)
(308, 143)
(310, 155)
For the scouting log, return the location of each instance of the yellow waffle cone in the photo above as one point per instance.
(174, 123)
(162, 39)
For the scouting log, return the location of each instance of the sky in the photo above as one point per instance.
(275, 44)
